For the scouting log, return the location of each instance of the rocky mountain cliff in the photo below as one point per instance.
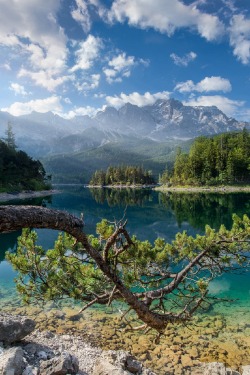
(46, 133)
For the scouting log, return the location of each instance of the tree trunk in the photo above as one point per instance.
(13, 218)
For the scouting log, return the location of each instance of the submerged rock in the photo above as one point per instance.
(119, 363)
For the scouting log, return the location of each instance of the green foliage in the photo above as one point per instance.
(223, 159)
(79, 167)
(122, 175)
(18, 171)
(10, 137)
(176, 274)
(121, 197)
(198, 208)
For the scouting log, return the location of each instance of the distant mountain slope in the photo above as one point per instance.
(149, 135)
(45, 133)
(79, 167)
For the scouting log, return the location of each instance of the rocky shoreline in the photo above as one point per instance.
(5, 197)
(200, 189)
(29, 351)
(26, 351)
(94, 335)
(121, 186)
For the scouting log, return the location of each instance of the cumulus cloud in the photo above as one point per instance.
(228, 106)
(184, 60)
(136, 98)
(43, 78)
(239, 32)
(87, 52)
(79, 111)
(18, 89)
(81, 15)
(121, 66)
(6, 66)
(31, 28)
(206, 85)
(166, 16)
(90, 83)
(39, 105)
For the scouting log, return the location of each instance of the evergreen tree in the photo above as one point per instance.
(10, 137)
(223, 159)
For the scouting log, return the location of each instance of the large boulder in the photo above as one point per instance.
(119, 363)
(15, 328)
(246, 370)
(103, 367)
(215, 368)
(64, 364)
(12, 362)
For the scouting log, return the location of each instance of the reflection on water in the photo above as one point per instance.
(150, 214)
(222, 336)
(122, 196)
(199, 209)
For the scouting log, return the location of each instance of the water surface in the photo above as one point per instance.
(150, 214)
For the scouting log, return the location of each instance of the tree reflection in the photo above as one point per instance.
(199, 209)
(121, 197)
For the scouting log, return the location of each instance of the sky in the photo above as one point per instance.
(75, 57)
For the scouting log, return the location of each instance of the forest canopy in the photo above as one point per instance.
(122, 175)
(18, 171)
(223, 159)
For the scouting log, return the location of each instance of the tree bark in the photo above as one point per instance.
(13, 218)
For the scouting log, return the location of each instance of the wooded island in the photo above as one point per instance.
(220, 160)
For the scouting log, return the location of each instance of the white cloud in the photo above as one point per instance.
(44, 79)
(39, 105)
(90, 83)
(81, 14)
(166, 16)
(99, 96)
(18, 89)
(121, 62)
(30, 27)
(67, 101)
(87, 53)
(184, 60)
(187, 86)
(228, 106)
(206, 85)
(239, 32)
(110, 75)
(6, 66)
(120, 66)
(136, 98)
(79, 111)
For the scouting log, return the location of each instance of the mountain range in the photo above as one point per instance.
(131, 133)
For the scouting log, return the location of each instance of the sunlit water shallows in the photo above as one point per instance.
(150, 214)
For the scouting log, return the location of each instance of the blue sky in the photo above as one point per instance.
(74, 57)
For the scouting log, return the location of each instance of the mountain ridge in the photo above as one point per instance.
(42, 134)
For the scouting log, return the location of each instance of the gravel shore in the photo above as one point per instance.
(5, 197)
(200, 189)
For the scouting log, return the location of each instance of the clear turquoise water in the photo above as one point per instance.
(150, 214)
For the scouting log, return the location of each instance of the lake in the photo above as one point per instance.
(150, 214)
(220, 334)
